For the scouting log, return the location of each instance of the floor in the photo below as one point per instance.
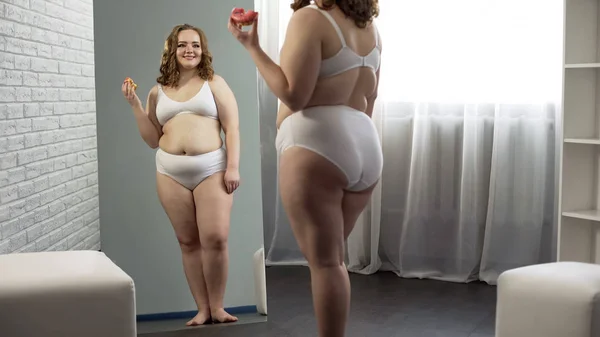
(383, 305)
(157, 328)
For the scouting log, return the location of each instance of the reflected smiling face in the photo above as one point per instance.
(189, 49)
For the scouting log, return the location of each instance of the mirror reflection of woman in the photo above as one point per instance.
(196, 175)
(329, 150)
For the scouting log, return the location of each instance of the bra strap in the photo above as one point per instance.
(376, 34)
(332, 21)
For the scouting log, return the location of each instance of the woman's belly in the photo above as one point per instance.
(191, 135)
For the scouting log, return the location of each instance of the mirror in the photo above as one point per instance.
(90, 203)
(165, 211)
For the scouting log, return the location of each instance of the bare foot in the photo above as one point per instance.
(221, 316)
(201, 318)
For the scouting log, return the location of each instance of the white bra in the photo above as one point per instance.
(346, 58)
(203, 104)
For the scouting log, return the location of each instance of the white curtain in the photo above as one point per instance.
(468, 119)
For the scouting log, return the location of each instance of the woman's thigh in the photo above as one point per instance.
(178, 203)
(213, 210)
(312, 189)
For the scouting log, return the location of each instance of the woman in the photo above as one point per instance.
(195, 176)
(330, 155)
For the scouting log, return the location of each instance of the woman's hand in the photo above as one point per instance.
(231, 180)
(248, 39)
(128, 90)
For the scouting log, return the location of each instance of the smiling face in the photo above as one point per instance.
(189, 49)
(186, 48)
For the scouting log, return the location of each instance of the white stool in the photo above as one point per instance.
(260, 281)
(66, 294)
(549, 300)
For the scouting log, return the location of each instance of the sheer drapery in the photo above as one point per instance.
(467, 116)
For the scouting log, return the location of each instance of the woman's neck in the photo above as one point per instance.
(186, 76)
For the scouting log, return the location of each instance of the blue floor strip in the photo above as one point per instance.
(248, 309)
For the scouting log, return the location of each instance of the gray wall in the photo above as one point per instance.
(136, 233)
(48, 179)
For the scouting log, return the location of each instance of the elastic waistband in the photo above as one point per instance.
(335, 109)
(328, 114)
(162, 152)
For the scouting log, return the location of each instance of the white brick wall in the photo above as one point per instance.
(48, 167)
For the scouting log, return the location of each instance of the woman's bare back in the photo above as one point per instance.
(356, 87)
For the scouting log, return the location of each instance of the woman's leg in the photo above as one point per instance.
(353, 204)
(178, 203)
(312, 191)
(213, 212)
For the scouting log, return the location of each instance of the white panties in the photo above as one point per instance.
(344, 136)
(190, 171)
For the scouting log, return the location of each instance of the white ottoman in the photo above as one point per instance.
(65, 294)
(260, 281)
(549, 300)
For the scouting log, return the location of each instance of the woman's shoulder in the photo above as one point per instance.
(307, 12)
(218, 86)
(216, 78)
(153, 94)
(309, 20)
(217, 81)
(154, 90)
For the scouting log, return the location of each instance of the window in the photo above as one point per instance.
(467, 51)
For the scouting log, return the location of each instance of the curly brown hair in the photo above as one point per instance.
(169, 72)
(361, 11)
